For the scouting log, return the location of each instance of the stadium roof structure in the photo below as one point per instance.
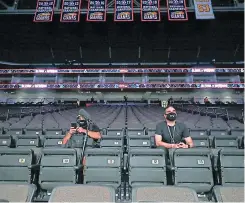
(24, 42)
(29, 6)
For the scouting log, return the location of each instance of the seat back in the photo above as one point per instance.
(14, 165)
(193, 168)
(200, 141)
(147, 166)
(231, 164)
(115, 132)
(139, 132)
(6, 141)
(238, 133)
(219, 132)
(198, 132)
(226, 141)
(27, 141)
(139, 141)
(53, 140)
(53, 132)
(111, 141)
(57, 167)
(33, 131)
(103, 166)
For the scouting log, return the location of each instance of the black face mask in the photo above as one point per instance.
(171, 116)
(82, 123)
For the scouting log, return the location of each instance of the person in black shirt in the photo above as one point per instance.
(172, 134)
(93, 132)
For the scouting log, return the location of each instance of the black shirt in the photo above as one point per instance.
(172, 134)
(77, 139)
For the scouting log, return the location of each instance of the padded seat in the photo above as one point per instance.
(140, 141)
(16, 165)
(111, 141)
(83, 193)
(198, 132)
(200, 141)
(228, 194)
(138, 132)
(218, 132)
(58, 167)
(193, 169)
(231, 167)
(115, 132)
(53, 132)
(28, 141)
(163, 194)
(103, 166)
(147, 166)
(226, 141)
(17, 192)
(53, 140)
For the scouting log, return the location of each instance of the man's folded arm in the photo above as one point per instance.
(160, 143)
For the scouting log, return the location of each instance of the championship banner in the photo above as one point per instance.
(44, 11)
(177, 10)
(123, 10)
(150, 10)
(96, 10)
(70, 11)
(204, 9)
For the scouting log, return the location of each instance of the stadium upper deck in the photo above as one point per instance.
(218, 40)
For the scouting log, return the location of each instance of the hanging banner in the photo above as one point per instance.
(204, 9)
(150, 10)
(44, 11)
(70, 11)
(123, 10)
(96, 10)
(177, 10)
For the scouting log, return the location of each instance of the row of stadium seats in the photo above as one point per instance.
(123, 131)
(132, 141)
(191, 168)
(136, 117)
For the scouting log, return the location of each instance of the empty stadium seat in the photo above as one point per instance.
(193, 168)
(58, 167)
(231, 167)
(28, 141)
(6, 141)
(131, 132)
(200, 141)
(141, 141)
(83, 193)
(53, 140)
(147, 166)
(53, 132)
(16, 165)
(115, 132)
(225, 141)
(15, 131)
(111, 141)
(17, 192)
(163, 194)
(217, 132)
(198, 132)
(103, 166)
(31, 131)
(228, 194)
(237, 132)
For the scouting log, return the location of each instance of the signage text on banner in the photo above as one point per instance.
(204, 9)
(123, 10)
(96, 10)
(44, 11)
(70, 11)
(150, 10)
(177, 10)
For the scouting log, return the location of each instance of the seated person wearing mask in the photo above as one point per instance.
(172, 134)
(73, 137)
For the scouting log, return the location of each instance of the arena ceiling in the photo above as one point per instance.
(23, 41)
